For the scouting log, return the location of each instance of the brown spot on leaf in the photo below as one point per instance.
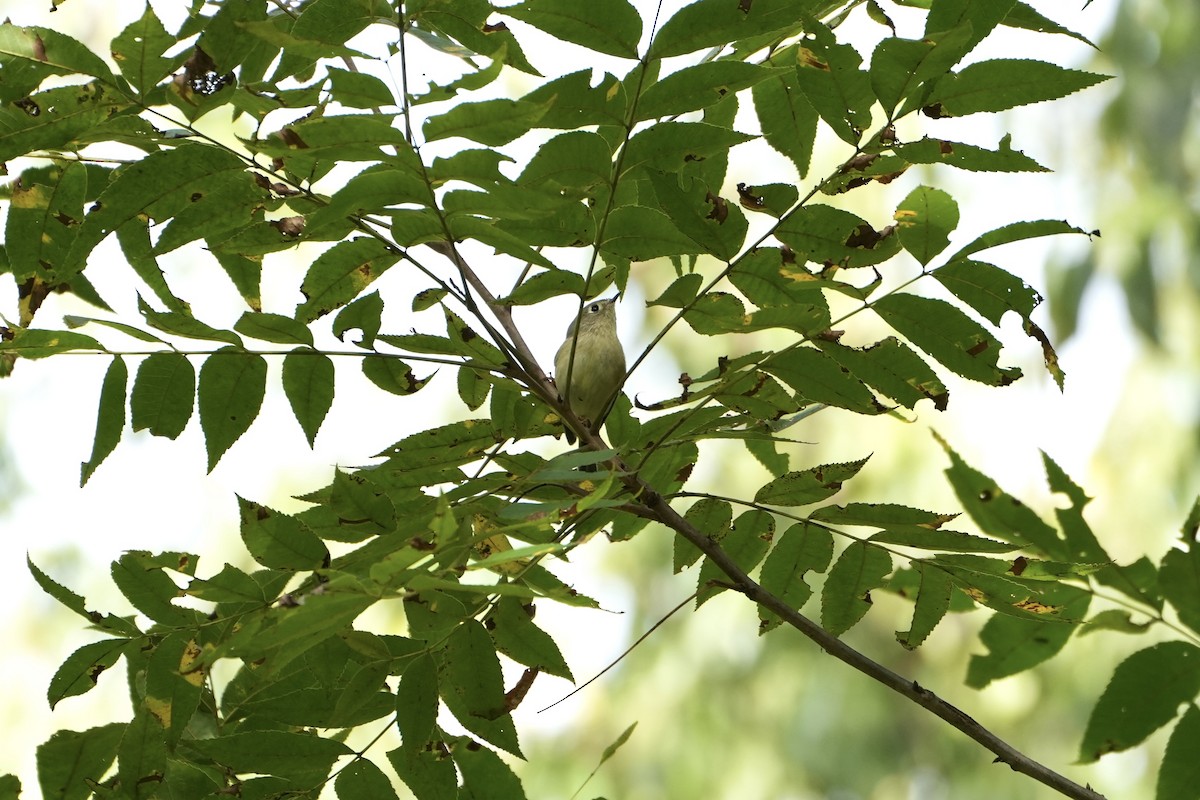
(749, 199)
(30, 107)
(866, 237)
(289, 226)
(744, 6)
(292, 139)
(494, 27)
(720, 209)
(977, 348)
(1018, 566)
(935, 111)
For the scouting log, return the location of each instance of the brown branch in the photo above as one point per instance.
(1003, 751)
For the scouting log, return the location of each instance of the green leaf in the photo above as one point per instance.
(110, 417)
(747, 542)
(900, 66)
(711, 517)
(473, 687)
(162, 185)
(1003, 83)
(489, 122)
(1145, 693)
(365, 314)
(670, 146)
(303, 759)
(891, 368)
(279, 541)
(708, 220)
(830, 77)
(578, 159)
(573, 102)
(1015, 644)
(448, 445)
(230, 585)
(988, 289)
(229, 396)
(881, 515)
(37, 343)
(787, 120)
(341, 273)
(979, 17)
(1179, 774)
(846, 596)
(950, 541)
(392, 375)
(353, 137)
(708, 23)
(163, 393)
(1179, 578)
(358, 90)
(968, 156)
(830, 235)
(142, 580)
(613, 27)
(45, 208)
(142, 754)
(544, 285)
(485, 775)
(57, 118)
(182, 323)
(29, 55)
(925, 219)
(699, 86)
(362, 780)
(640, 233)
(821, 379)
(931, 604)
(808, 486)
(70, 763)
(308, 382)
(802, 548)
(273, 328)
(80, 672)
(1024, 16)
(417, 702)
(521, 640)
(948, 335)
(1017, 232)
(998, 513)
(427, 772)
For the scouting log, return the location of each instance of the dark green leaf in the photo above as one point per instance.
(37, 343)
(950, 541)
(142, 755)
(931, 604)
(1015, 644)
(162, 185)
(417, 702)
(925, 220)
(473, 688)
(365, 314)
(808, 486)
(802, 548)
(1024, 16)
(846, 596)
(427, 772)
(302, 758)
(110, 417)
(1003, 83)
(82, 669)
(134, 238)
(900, 66)
(830, 235)
(1179, 577)
(392, 375)
(357, 137)
(279, 541)
(521, 640)
(1017, 232)
(669, 146)
(681, 292)
(708, 220)
(787, 120)
(490, 122)
(829, 75)
(613, 27)
(308, 382)
(747, 542)
(163, 393)
(948, 335)
(821, 379)
(485, 775)
(1145, 693)
(544, 285)
(891, 368)
(709, 516)
(968, 156)
(144, 584)
(358, 90)
(699, 86)
(31, 54)
(641, 234)
(881, 515)
(1179, 775)
(182, 323)
(273, 328)
(341, 273)
(69, 763)
(578, 159)
(708, 23)
(574, 102)
(362, 780)
(230, 393)
(43, 218)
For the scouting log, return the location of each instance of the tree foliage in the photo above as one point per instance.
(636, 169)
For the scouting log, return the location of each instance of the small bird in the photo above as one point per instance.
(589, 383)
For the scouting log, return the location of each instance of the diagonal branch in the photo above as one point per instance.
(1004, 752)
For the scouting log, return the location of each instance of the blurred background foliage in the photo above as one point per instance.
(722, 713)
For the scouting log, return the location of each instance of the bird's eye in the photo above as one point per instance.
(594, 308)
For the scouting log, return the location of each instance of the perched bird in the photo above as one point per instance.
(589, 382)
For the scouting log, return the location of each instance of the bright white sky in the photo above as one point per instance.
(155, 495)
